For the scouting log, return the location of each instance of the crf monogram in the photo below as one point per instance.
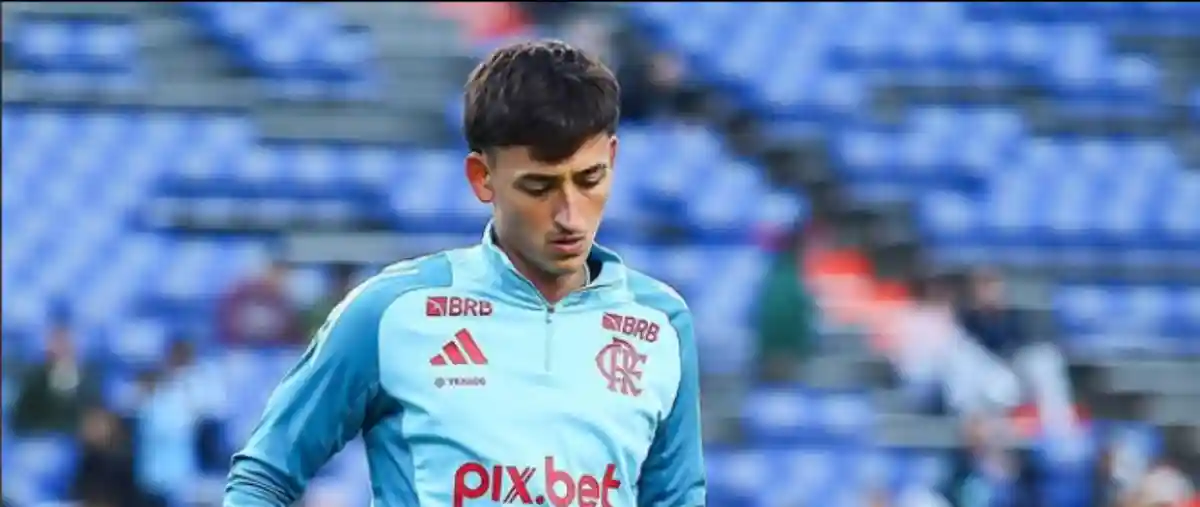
(621, 366)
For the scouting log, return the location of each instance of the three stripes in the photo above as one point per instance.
(452, 353)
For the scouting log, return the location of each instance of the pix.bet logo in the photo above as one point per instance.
(516, 485)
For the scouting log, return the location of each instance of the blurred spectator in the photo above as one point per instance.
(486, 22)
(1001, 329)
(1163, 486)
(549, 13)
(167, 460)
(341, 283)
(1108, 488)
(877, 498)
(941, 367)
(652, 84)
(258, 312)
(104, 475)
(989, 319)
(787, 316)
(926, 336)
(985, 472)
(54, 393)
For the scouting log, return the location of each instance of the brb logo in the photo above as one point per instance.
(634, 327)
(515, 485)
(621, 365)
(454, 306)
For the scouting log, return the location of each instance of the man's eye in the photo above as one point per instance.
(537, 189)
(592, 178)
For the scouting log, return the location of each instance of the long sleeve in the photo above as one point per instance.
(321, 404)
(673, 474)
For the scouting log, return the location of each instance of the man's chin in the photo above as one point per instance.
(563, 265)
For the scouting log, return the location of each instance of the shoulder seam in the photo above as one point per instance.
(408, 275)
(673, 312)
(659, 289)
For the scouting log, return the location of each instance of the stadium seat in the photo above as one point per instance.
(301, 50)
(52, 45)
(76, 55)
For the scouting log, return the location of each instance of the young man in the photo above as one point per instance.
(532, 369)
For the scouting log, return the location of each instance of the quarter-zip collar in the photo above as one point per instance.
(609, 277)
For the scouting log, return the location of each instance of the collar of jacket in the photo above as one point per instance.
(608, 275)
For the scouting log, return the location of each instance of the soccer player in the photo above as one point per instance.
(532, 369)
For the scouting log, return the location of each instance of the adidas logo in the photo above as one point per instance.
(460, 351)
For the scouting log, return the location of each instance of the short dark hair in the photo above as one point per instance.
(547, 95)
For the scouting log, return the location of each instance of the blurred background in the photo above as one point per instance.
(938, 253)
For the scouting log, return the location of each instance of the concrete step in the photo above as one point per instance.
(1169, 377)
(362, 11)
(76, 9)
(839, 372)
(1174, 410)
(348, 123)
(199, 62)
(169, 31)
(908, 430)
(891, 401)
(406, 29)
(163, 91)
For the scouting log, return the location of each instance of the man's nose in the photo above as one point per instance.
(566, 211)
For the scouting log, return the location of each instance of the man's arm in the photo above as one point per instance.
(321, 404)
(673, 474)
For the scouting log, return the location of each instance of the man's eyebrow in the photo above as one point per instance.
(594, 167)
(537, 176)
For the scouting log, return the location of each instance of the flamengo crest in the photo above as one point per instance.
(621, 365)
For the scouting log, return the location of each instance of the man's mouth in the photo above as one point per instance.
(568, 245)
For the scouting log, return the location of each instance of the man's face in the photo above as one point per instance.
(548, 213)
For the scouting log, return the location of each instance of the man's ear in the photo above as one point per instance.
(613, 143)
(479, 175)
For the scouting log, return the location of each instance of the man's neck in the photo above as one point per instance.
(552, 287)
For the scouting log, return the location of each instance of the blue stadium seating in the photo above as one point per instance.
(1006, 195)
(300, 50)
(1165, 318)
(821, 418)
(52, 45)
(986, 188)
(77, 55)
(120, 157)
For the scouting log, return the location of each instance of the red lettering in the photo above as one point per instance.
(512, 485)
(471, 482)
(520, 485)
(589, 491)
(455, 306)
(629, 325)
(651, 335)
(642, 329)
(553, 479)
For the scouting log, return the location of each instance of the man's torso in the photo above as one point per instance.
(491, 402)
